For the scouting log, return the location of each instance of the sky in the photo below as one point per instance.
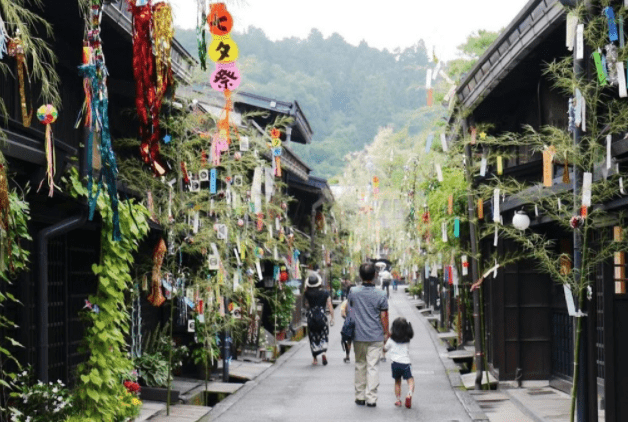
(443, 24)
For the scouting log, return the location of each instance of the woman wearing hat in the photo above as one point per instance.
(316, 299)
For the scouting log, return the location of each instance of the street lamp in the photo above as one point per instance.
(520, 220)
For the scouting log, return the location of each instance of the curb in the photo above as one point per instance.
(453, 372)
(226, 404)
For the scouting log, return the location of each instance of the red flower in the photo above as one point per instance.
(132, 387)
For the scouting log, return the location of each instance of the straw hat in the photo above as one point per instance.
(313, 280)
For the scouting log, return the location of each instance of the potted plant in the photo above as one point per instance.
(153, 373)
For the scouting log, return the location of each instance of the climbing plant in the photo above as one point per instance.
(100, 393)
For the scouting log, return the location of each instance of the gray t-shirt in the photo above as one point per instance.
(366, 304)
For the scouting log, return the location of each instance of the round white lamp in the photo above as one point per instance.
(521, 220)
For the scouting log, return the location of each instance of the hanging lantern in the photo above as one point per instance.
(219, 19)
(283, 274)
(223, 49)
(225, 76)
(47, 114)
(520, 220)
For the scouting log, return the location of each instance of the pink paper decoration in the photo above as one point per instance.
(226, 76)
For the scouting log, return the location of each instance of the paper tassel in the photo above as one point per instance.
(496, 212)
(450, 205)
(443, 141)
(428, 142)
(500, 165)
(480, 208)
(457, 227)
(565, 172)
(580, 42)
(587, 180)
(496, 237)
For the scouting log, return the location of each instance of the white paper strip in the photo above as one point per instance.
(275, 253)
(427, 271)
(235, 251)
(495, 269)
(450, 93)
(195, 223)
(560, 205)
(587, 180)
(584, 115)
(536, 210)
(434, 270)
(236, 281)
(621, 186)
(269, 186)
(259, 269)
(444, 228)
(439, 173)
(609, 139)
(277, 224)
(496, 212)
(571, 306)
(496, 237)
(580, 41)
(483, 165)
(621, 75)
(256, 189)
(443, 141)
(465, 263)
(436, 71)
(572, 23)
(428, 79)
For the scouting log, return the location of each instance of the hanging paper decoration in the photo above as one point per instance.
(156, 297)
(587, 180)
(572, 23)
(226, 76)
(580, 41)
(612, 27)
(148, 95)
(474, 133)
(47, 114)
(276, 150)
(375, 185)
(609, 140)
(480, 208)
(496, 211)
(428, 142)
(483, 163)
(444, 230)
(16, 49)
(621, 79)
(443, 142)
(96, 113)
(548, 166)
(428, 86)
(450, 204)
(500, 165)
(457, 227)
(465, 264)
(439, 173)
(601, 73)
(163, 33)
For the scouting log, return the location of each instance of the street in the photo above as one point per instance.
(299, 391)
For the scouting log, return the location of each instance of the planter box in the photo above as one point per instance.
(159, 394)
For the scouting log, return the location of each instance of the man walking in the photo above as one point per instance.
(370, 311)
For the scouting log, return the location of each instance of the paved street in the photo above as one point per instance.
(299, 391)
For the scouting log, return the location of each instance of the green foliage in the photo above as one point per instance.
(39, 402)
(100, 394)
(282, 305)
(159, 341)
(153, 369)
(415, 289)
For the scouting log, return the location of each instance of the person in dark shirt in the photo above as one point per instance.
(316, 300)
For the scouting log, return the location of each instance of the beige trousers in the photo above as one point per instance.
(367, 355)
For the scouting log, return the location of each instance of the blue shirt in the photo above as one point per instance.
(367, 303)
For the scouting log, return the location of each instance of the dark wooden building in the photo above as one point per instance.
(529, 333)
(64, 243)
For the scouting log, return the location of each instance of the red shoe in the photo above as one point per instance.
(324, 360)
(398, 403)
(408, 402)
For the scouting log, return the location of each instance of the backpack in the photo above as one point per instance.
(317, 320)
(348, 328)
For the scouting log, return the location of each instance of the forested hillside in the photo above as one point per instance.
(346, 92)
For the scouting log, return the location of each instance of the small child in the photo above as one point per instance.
(398, 346)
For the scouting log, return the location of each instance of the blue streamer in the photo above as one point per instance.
(605, 66)
(97, 74)
(212, 181)
(457, 227)
(3, 39)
